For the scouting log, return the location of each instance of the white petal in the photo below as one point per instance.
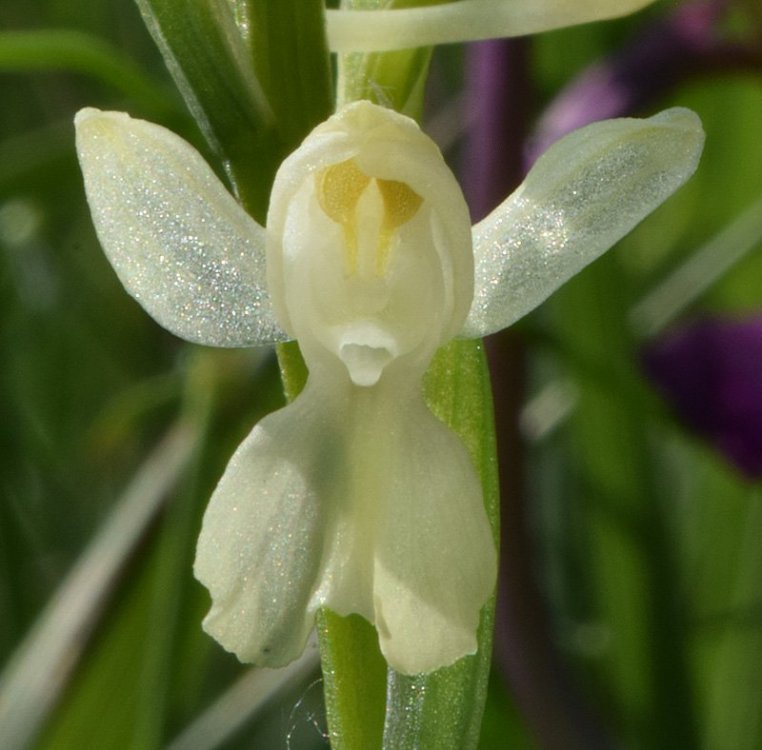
(410, 547)
(435, 564)
(179, 242)
(354, 499)
(261, 542)
(466, 20)
(583, 195)
(369, 243)
(422, 293)
(290, 527)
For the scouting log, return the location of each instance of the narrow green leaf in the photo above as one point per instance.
(254, 74)
(78, 52)
(146, 664)
(354, 675)
(289, 53)
(37, 674)
(626, 517)
(703, 268)
(209, 60)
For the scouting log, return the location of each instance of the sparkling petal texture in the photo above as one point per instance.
(261, 542)
(583, 195)
(435, 563)
(466, 20)
(359, 500)
(179, 242)
(355, 497)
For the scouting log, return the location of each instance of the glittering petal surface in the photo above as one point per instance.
(357, 500)
(435, 560)
(466, 20)
(710, 372)
(179, 242)
(583, 195)
(262, 537)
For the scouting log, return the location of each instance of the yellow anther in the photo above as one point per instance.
(339, 188)
(401, 203)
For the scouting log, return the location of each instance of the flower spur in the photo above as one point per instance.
(354, 497)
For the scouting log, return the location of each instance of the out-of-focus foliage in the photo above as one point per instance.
(646, 543)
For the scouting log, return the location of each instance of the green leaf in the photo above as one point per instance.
(75, 51)
(289, 53)
(255, 76)
(146, 665)
(354, 675)
(38, 672)
(209, 61)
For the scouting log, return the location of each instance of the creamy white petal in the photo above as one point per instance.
(435, 558)
(583, 195)
(364, 263)
(409, 546)
(178, 240)
(466, 20)
(262, 540)
(358, 500)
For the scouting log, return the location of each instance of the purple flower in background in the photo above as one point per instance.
(683, 44)
(710, 372)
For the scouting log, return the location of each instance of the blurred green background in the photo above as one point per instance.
(643, 543)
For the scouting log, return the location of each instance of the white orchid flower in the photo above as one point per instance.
(383, 29)
(355, 497)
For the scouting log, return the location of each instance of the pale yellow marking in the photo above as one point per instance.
(339, 189)
(401, 204)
